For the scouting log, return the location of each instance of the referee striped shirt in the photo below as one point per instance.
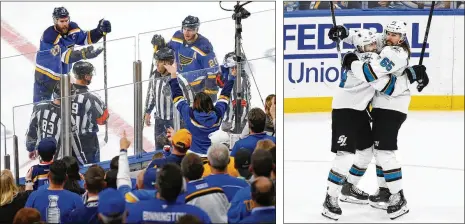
(159, 95)
(46, 122)
(88, 110)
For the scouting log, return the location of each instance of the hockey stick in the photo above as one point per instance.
(427, 32)
(339, 57)
(105, 80)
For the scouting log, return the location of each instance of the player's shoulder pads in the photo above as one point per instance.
(51, 35)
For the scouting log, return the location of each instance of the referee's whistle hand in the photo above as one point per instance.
(147, 119)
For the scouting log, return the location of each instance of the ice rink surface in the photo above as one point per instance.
(129, 41)
(431, 151)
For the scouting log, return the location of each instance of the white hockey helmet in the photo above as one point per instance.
(364, 37)
(397, 26)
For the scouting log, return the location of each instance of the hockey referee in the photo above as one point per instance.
(88, 110)
(159, 96)
(46, 122)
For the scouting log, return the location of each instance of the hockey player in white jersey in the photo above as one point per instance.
(390, 105)
(351, 128)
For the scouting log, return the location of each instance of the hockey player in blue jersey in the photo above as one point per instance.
(164, 208)
(195, 57)
(263, 196)
(56, 52)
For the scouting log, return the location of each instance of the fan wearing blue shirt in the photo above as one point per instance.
(165, 208)
(263, 195)
(55, 203)
(218, 160)
(94, 184)
(256, 122)
(242, 204)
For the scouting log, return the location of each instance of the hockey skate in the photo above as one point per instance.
(397, 205)
(331, 208)
(352, 194)
(380, 200)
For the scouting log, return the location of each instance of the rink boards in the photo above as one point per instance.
(311, 65)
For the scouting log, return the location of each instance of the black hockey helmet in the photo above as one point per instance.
(82, 68)
(191, 22)
(60, 12)
(164, 54)
(57, 91)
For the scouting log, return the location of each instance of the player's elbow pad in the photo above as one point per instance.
(103, 119)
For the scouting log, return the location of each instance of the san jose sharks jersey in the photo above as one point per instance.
(53, 58)
(196, 61)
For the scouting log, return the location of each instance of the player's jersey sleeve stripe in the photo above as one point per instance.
(65, 56)
(177, 40)
(88, 39)
(389, 88)
(47, 72)
(196, 49)
(370, 76)
(75, 30)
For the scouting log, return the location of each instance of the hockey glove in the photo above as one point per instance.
(338, 32)
(348, 59)
(158, 41)
(104, 26)
(89, 52)
(418, 73)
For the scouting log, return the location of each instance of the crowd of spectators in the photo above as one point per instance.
(229, 184)
(290, 6)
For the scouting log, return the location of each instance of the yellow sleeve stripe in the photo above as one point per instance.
(67, 56)
(57, 39)
(204, 192)
(198, 51)
(131, 198)
(194, 83)
(155, 48)
(207, 91)
(42, 177)
(177, 40)
(177, 99)
(89, 40)
(47, 73)
(224, 97)
(212, 76)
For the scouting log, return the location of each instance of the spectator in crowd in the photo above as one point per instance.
(189, 219)
(111, 207)
(270, 120)
(242, 163)
(242, 204)
(165, 208)
(218, 160)
(290, 6)
(203, 118)
(27, 216)
(94, 184)
(263, 197)
(11, 199)
(201, 192)
(74, 181)
(266, 144)
(110, 178)
(220, 137)
(110, 175)
(181, 142)
(38, 174)
(256, 122)
(55, 203)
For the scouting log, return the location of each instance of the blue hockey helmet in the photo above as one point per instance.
(191, 22)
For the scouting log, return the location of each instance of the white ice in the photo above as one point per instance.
(431, 151)
(128, 19)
